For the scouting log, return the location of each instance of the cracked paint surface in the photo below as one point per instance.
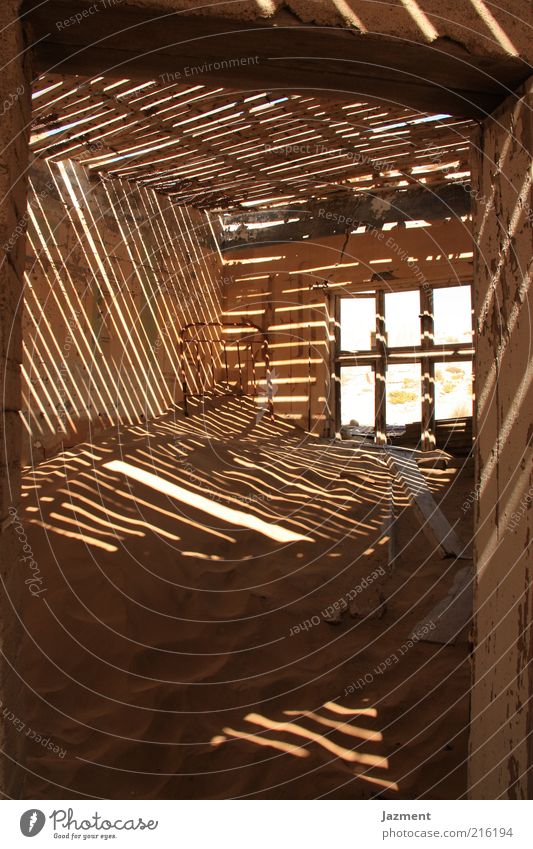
(503, 684)
(474, 27)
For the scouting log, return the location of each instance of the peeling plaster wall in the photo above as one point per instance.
(15, 112)
(280, 287)
(112, 274)
(487, 29)
(502, 707)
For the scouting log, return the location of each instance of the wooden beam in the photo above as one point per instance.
(343, 213)
(369, 358)
(277, 53)
(448, 620)
(389, 528)
(427, 369)
(434, 523)
(455, 351)
(335, 366)
(380, 372)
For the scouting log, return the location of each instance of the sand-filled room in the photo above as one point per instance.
(267, 413)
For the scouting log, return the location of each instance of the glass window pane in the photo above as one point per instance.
(357, 396)
(358, 323)
(403, 394)
(402, 318)
(452, 309)
(453, 390)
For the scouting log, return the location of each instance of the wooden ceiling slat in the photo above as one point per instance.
(218, 148)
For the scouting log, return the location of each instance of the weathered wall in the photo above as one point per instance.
(502, 707)
(281, 288)
(481, 27)
(15, 112)
(113, 273)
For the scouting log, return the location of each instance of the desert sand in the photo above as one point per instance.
(179, 647)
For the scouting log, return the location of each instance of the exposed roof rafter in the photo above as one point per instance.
(216, 148)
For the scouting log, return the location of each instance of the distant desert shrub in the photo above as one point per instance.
(400, 396)
(462, 410)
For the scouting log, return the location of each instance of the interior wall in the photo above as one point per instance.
(502, 710)
(493, 30)
(15, 112)
(290, 289)
(113, 274)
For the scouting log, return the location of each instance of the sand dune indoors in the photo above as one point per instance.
(180, 648)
